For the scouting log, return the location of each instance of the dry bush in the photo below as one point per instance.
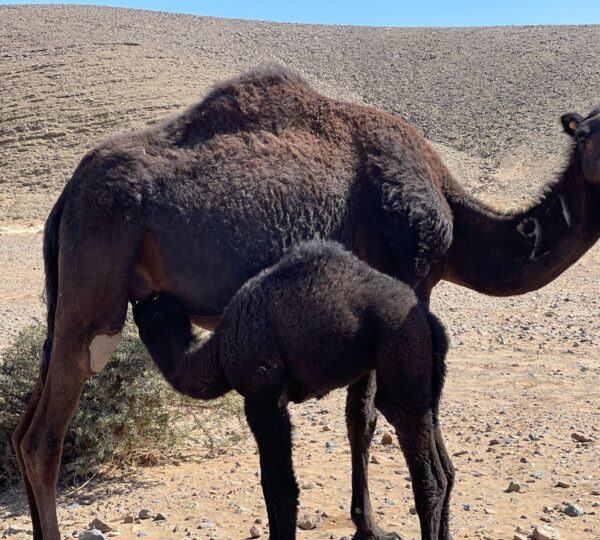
(127, 414)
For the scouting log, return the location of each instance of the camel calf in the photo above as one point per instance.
(317, 320)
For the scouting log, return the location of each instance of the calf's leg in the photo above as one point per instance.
(361, 419)
(272, 429)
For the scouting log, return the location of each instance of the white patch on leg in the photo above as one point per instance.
(101, 349)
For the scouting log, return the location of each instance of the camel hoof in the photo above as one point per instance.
(378, 534)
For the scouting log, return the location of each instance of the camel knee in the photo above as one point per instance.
(101, 349)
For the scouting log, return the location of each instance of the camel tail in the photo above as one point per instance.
(51, 230)
(440, 343)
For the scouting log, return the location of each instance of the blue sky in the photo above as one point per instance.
(382, 12)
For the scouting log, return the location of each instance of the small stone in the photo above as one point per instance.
(206, 525)
(91, 534)
(307, 523)
(145, 513)
(160, 517)
(519, 536)
(387, 439)
(308, 485)
(580, 437)
(128, 519)
(326, 427)
(561, 484)
(545, 532)
(467, 507)
(255, 531)
(102, 526)
(143, 534)
(330, 446)
(375, 459)
(538, 475)
(258, 521)
(573, 510)
(413, 511)
(11, 531)
(513, 487)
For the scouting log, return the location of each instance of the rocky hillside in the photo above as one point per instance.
(489, 97)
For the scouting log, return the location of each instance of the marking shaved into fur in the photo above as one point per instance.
(101, 349)
(565, 211)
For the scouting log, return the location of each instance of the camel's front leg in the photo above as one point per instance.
(361, 419)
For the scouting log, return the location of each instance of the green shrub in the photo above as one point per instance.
(127, 413)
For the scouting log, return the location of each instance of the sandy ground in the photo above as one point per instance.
(523, 372)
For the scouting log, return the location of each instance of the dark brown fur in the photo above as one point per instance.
(198, 205)
(317, 320)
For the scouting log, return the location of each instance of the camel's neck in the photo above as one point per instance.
(511, 253)
(191, 366)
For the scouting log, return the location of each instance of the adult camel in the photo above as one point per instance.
(196, 206)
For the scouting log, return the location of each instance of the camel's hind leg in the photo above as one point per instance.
(416, 435)
(92, 304)
(449, 470)
(361, 419)
(17, 437)
(407, 396)
(41, 447)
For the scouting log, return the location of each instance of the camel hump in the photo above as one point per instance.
(264, 98)
(267, 77)
(272, 85)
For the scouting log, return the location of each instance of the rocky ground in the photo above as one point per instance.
(522, 396)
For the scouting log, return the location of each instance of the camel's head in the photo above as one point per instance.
(586, 132)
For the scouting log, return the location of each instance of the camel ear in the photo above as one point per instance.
(570, 121)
